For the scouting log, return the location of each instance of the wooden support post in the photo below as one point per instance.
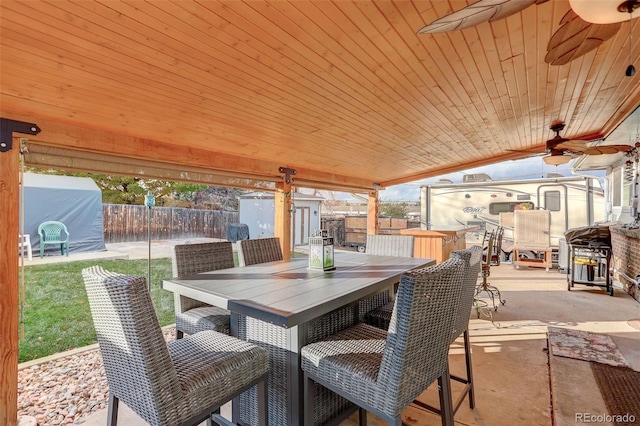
(282, 220)
(9, 215)
(372, 213)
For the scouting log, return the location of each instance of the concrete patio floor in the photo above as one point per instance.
(515, 381)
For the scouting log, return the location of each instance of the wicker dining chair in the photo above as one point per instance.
(383, 372)
(390, 245)
(260, 250)
(192, 315)
(376, 310)
(181, 383)
(384, 245)
(472, 258)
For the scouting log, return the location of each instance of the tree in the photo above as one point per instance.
(393, 209)
(131, 190)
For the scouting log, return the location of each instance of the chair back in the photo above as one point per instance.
(390, 245)
(187, 259)
(261, 250)
(417, 346)
(488, 250)
(135, 356)
(497, 246)
(53, 232)
(472, 258)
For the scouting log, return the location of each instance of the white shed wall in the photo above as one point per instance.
(258, 213)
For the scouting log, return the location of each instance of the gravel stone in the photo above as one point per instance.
(66, 390)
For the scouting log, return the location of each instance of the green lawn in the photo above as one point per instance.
(56, 310)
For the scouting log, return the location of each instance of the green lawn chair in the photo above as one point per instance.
(52, 232)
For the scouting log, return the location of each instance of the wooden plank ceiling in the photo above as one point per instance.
(345, 92)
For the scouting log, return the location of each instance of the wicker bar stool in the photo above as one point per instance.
(182, 383)
(384, 372)
(384, 245)
(390, 245)
(261, 250)
(472, 258)
(192, 315)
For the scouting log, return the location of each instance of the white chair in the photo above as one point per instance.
(24, 243)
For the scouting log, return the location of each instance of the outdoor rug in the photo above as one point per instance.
(585, 346)
(620, 389)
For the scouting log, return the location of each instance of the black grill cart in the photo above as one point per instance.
(589, 257)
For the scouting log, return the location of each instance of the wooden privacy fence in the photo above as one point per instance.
(124, 223)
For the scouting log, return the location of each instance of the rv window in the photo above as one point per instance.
(552, 201)
(482, 224)
(508, 207)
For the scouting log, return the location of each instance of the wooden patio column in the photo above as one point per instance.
(282, 219)
(9, 299)
(372, 213)
(9, 215)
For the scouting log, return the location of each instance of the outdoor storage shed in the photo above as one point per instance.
(74, 201)
(257, 210)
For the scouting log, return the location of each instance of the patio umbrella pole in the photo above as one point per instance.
(149, 201)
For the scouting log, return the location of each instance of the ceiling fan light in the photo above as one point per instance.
(556, 160)
(604, 11)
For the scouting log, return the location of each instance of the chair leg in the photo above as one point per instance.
(179, 334)
(467, 358)
(362, 417)
(112, 410)
(263, 403)
(446, 402)
(308, 409)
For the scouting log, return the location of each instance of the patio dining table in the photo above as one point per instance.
(283, 306)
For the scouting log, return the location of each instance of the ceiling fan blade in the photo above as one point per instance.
(573, 145)
(534, 151)
(477, 13)
(606, 149)
(576, 37)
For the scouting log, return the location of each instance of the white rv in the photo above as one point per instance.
(478, 201)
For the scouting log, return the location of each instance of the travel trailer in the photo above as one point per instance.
(479, 201)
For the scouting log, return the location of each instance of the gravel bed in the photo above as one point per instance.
(66, 390)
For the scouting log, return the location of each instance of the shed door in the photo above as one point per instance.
(301, 226)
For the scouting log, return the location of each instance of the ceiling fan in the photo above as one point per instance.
(561, 150)
(583, 28)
